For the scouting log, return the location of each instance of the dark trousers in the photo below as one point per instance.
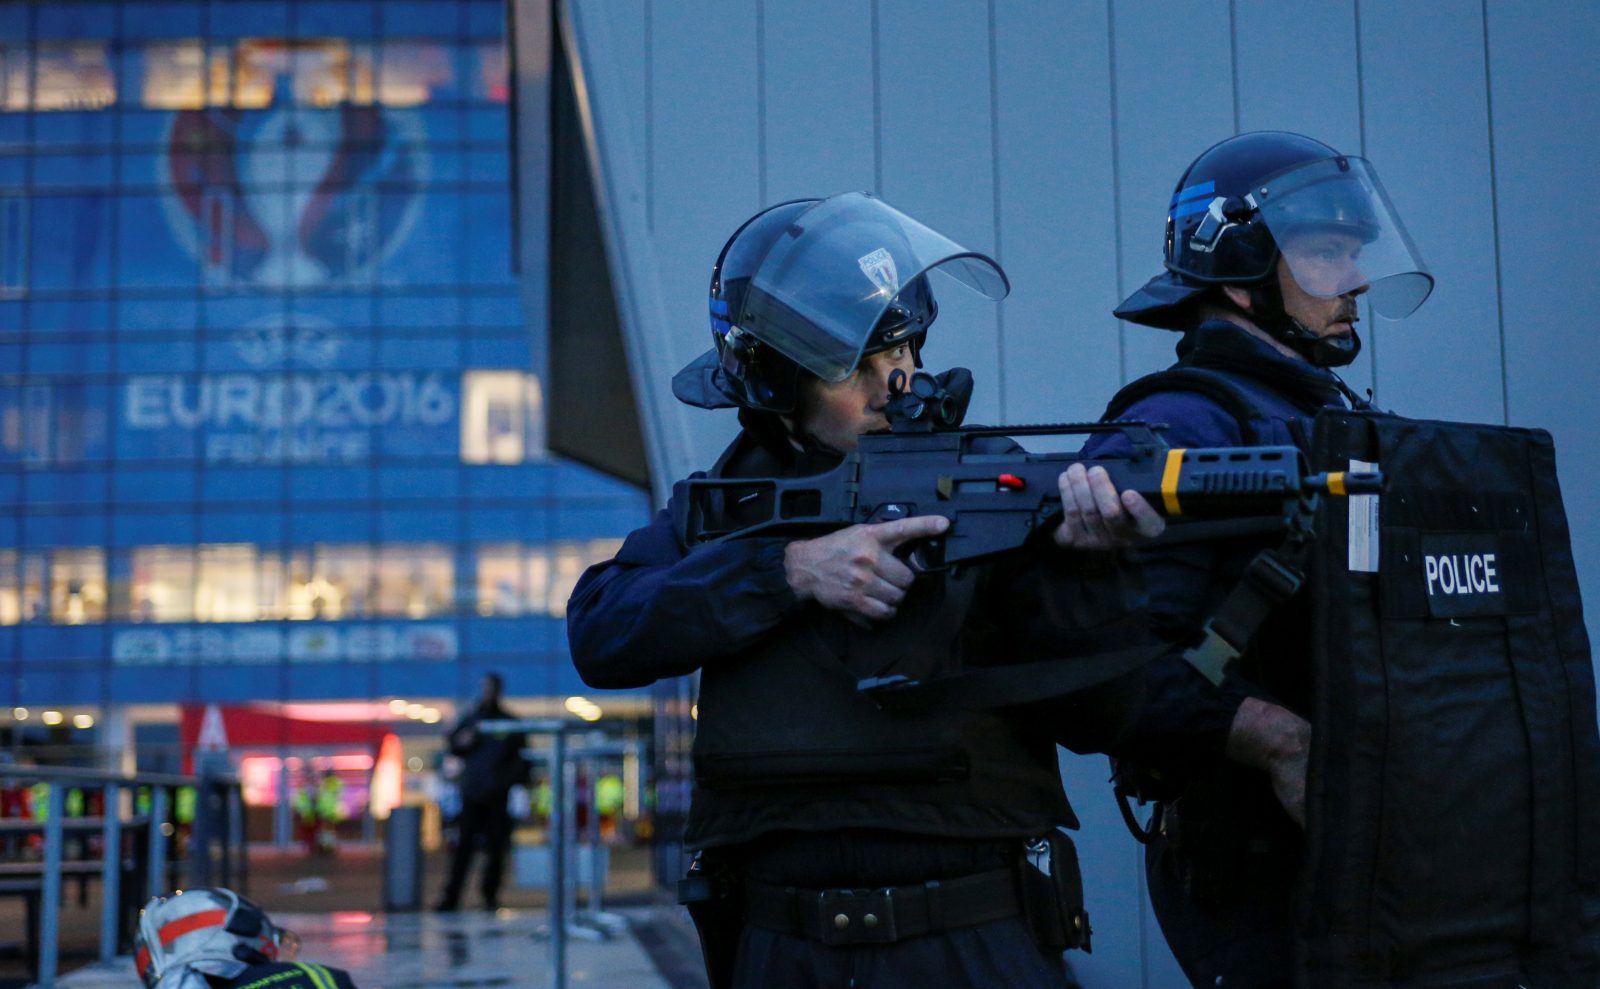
(1231, 931)
(998, 955)
(484, 822)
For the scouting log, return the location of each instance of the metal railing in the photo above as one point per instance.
(572, 743)
(215, 849)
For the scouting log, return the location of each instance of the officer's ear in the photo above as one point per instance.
(1238, 297)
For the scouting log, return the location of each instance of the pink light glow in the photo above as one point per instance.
(351, 711)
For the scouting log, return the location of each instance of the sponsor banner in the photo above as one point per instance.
(256, 644)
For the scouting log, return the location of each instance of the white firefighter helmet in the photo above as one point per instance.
(205, 931)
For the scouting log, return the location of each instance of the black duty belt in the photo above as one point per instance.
(885, 914)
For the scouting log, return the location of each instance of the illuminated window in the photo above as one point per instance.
(563, 563)
(502, 580)
(308, 72)
(230, 583)
(502, 417)
(322, 73)
(261, 65)
(13, 77)
(73, 76)
(331, 582)
(173, 75)
(161, 586)
(515, 579)
(415, 581)
(77, 586)
(10, 587)
(33, 600)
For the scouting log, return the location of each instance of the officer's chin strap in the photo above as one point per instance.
(1266, 305)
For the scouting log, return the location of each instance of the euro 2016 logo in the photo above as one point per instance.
(294, 196)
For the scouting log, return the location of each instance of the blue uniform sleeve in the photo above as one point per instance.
(656, 611)
(1183, 720)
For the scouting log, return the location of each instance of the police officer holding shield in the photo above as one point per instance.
(842, 844)
(1272, 238)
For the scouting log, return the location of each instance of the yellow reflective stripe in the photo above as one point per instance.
(1169, 481)
(320, 977)
(1336, 483)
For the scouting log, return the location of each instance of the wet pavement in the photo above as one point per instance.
(458, 951)
(333, 901)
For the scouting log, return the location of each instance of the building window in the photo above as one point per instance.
(415, 72)
(13, 243)
(74, 76)
(330, 582)
(502, 580)
(231, 585)
(568, 561)
(43, 422)
(11, 587)
(174, 75)
(514, 579)
(13, 77)
(161, 586)
(502, 417)
(78, 586)
(415, 581)
(493, 80)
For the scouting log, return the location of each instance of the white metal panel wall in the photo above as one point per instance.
(1051, 133)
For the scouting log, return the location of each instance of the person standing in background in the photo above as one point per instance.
(490, 766)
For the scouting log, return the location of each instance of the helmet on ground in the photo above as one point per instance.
(1256, 198)
(813, 285)
(200, 932)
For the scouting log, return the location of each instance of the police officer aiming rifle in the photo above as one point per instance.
(839, 840)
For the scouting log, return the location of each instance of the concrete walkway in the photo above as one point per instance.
(445, 951)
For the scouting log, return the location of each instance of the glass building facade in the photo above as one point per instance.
(270, 419)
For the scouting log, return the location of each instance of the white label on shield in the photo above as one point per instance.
(1363, 526)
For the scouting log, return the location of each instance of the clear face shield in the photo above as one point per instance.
(833, 273)
(1337, 231)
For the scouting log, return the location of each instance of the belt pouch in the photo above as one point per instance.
(711, 893)
(1052, 892)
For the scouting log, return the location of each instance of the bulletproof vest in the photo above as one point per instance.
(784, 741)
(1265, 417)
(1453, 832)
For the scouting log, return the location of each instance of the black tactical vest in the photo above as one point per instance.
(785, 742)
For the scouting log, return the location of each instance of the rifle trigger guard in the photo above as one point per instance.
(927, 555)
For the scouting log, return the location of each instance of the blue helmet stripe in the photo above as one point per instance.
(1190, 208)
(1203, 189)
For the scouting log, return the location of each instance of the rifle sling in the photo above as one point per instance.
(990, 687)
(1272, 578)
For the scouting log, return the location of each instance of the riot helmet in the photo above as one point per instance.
(1256, 198)
(813, 285)
(207, 931)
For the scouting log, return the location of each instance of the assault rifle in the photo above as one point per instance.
(996, 494)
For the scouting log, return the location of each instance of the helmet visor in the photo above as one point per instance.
(835, 271)
(1337, 232)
